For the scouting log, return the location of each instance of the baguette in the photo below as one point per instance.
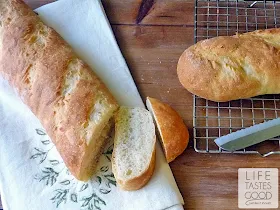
(72, 104)
(174, 135)
(133, 159)
(234, 67)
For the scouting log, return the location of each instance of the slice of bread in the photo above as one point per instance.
(133, 160)
(173, 132)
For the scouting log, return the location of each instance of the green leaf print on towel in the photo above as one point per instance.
(54, 174)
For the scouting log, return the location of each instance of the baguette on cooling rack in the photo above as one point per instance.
(71, 102)
(234, 67)
(133, 159)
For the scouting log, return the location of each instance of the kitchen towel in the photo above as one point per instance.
(33, 175)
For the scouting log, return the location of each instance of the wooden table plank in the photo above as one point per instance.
(152, 54)
(163, 12)
(166, 12)
(209, 181)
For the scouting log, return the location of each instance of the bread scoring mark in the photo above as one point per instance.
(75, 73)
(36, 34)
(95, 116)
(73, 76)
(29, 76)
(29, 30)
(230, 67)
(269, 38)
(247, 68)
(71, 79)
(26, 77)
(57, 116)
(98, 109)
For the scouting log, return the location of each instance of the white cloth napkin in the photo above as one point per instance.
(33, 175)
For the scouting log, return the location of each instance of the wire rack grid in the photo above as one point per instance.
(213, 119)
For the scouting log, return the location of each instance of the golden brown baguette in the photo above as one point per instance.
(174, 134)
(233, 67)
(70, 101)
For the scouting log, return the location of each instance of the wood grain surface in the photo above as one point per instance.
(152, 48)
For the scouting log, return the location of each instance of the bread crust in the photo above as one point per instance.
(174, 133)
(138, 182)
(233, 67)
(59, 88)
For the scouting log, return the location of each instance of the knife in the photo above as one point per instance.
(249, 136)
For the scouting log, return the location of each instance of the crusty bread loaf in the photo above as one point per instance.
(233, 67)
(174, 134)
(71, 102)
(133, 160)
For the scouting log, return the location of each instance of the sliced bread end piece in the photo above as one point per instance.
(133, 159)
(173, 132)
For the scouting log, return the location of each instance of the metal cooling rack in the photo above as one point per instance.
(213, 119)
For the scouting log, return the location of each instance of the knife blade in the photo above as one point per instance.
(249, 136)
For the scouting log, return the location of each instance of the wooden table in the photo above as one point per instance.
(152, 48)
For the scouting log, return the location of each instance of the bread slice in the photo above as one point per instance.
(174, 134)
(134, 151)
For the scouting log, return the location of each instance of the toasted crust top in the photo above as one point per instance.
(233, 67)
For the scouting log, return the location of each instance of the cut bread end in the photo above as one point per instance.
(92, 156)
(174, 135)
(133, 159)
